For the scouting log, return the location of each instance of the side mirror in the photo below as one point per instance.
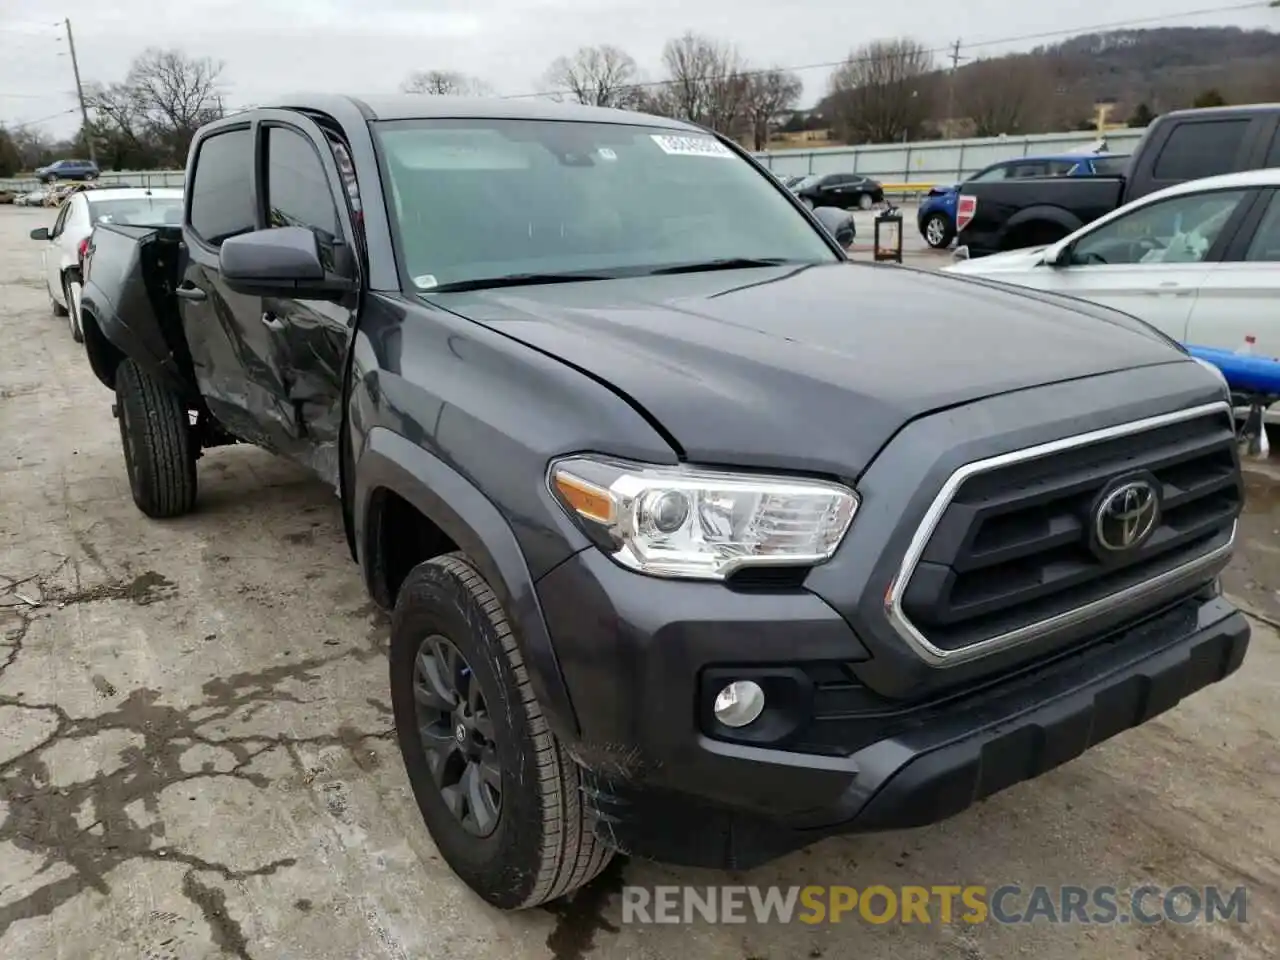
(40, 233)
(279, 262)
(839, 223)
(1058, 256)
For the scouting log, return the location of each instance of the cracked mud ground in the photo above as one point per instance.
(196, 761)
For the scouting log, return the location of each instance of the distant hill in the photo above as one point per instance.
(1142, 72)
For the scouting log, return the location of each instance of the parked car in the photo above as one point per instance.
(1177, 147)
(843, 190)
(67, 240)
(936, 215)
(1199, 261)
(68, 170)
(702, 541)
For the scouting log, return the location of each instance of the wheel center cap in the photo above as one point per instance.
(460, 733)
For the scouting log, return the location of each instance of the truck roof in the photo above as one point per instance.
(414, 106)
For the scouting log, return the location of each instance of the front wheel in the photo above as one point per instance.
(159, 451)
(938, 231)
(864, 201)
(807, 202)
(500, 795)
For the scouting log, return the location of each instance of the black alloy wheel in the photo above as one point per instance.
(457, 735)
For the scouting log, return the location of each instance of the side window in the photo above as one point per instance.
(1060, 168)
(221, 204)
(1000, 172)
(1265, 247)
(1177, 230)
(298, 192)
(1201, 149)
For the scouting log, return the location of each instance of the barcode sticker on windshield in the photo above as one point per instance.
(691, 146)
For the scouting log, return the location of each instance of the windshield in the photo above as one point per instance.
(137, 211)
(477, 199)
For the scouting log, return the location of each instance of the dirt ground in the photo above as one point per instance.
(196, 758)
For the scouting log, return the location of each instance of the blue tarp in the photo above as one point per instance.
(1244, 374)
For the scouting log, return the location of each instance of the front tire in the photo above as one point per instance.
(864, 201)
(938, 231)
(159, 451)
(518, 835)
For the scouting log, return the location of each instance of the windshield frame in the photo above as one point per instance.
(676, 127)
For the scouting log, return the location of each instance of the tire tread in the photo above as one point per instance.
(163, 445)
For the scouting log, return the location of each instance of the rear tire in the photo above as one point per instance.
(542, 845)
(159, 451)
(58, 309)
(864, 201)
(1039, 234)
(73, 309)
(938, 231)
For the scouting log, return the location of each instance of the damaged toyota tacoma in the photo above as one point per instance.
(702, 542)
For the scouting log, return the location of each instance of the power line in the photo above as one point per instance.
(39, 120)
(948, 50)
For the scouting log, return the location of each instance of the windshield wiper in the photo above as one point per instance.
(723, 263)
(515, 280)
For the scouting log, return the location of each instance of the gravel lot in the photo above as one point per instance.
(196, 757)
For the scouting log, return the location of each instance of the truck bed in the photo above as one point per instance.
(1007, 212)
(130, 274)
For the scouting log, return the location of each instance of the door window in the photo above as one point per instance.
(1177, 230)
(221, 194)
(1265, 247)
(298, 193)
(1201, 149)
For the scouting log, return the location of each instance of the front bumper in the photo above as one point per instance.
(665, 784)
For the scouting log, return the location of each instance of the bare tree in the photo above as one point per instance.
(707, 83)
(151, 116)
(603, 76)
(445, 83)
(176, 94)
(769, 93)
(1004, 95)
(883, 91)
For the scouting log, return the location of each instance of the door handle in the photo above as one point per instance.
(190, 291)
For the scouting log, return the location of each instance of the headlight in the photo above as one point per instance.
(1226, 387)
(701, 524)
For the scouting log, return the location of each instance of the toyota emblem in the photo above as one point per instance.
(1126, 516)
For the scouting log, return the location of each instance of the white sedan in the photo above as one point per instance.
(1199, 261)
(66, 240)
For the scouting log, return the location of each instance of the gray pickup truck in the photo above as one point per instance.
(702, 542)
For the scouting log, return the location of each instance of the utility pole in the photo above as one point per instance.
(84, 110)
(951, 83)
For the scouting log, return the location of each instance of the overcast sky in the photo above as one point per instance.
(369, 46)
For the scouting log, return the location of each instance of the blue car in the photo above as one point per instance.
(68, 170)
(936, 216)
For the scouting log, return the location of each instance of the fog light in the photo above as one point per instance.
(740, 703)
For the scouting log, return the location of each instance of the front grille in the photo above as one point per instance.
(1011, 549)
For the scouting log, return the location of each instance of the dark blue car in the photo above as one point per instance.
(68, 170)
(936, 216)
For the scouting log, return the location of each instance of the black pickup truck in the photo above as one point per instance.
(1177, 147)
(702, 542)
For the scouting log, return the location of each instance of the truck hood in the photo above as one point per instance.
(810, 368)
